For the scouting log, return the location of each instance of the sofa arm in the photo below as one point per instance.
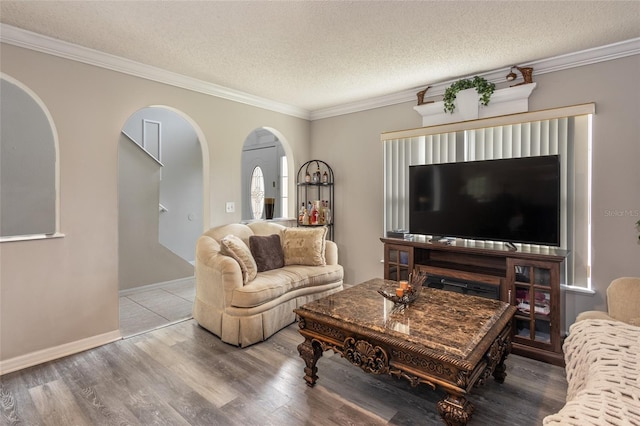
(331, 253)
(217, 275)
(593, 315)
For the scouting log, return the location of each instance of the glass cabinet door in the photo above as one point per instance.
(398, 262)
(533, 298)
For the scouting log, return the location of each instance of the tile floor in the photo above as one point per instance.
(152, 307)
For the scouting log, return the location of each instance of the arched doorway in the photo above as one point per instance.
(162, 206)
(266, 169)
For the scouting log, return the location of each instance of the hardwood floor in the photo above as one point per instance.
(184, 375)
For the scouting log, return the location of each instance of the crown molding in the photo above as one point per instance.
(44, 44)
(558, 63)
(40, 43)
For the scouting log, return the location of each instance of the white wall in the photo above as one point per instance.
(351, 145)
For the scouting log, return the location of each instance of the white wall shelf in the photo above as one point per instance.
(505, 101)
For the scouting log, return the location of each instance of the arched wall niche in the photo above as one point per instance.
(29, 169)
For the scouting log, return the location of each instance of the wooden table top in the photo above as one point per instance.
(459, 326)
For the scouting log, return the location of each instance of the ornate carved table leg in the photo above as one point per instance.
(310, 351)
(455, 410)
(500, 372)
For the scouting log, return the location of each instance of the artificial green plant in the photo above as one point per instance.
(482, 86)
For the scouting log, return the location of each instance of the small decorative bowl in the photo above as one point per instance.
(410, 295)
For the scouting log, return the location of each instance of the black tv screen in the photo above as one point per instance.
(512, 200)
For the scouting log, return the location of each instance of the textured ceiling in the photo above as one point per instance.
(317, 54)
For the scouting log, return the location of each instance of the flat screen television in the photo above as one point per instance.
(515, 200)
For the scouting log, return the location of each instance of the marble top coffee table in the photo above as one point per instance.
(443, 339)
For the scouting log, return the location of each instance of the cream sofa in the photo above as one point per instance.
(243, 310)
(623, 302)
(603, 375)
(602, 354)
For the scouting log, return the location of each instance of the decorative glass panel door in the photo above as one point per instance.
(398, 262)
(535, 294)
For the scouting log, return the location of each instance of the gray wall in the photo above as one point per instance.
(351, 145)
(64, 292)
(60, 295)
(27, 165)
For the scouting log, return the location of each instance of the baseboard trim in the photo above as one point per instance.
(49, 354)
(133, 290)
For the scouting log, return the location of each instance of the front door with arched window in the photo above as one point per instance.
(261, 174)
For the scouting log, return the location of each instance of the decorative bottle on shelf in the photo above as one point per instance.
(325, 177)
(316, 175)
(307, 178)
(314, 215)
(305, 217)
(301, 213)
(327, 213)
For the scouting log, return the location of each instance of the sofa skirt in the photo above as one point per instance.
(246, 326)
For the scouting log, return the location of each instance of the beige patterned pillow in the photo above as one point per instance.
(304, 246)
(236, 248)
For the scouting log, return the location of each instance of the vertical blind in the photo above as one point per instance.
(399, 154)
(555, 136)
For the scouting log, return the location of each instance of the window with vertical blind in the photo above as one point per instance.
(564, 131)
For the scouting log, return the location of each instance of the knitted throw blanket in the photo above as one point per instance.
(603, 374)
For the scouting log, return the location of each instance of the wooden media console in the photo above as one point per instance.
(527, 279)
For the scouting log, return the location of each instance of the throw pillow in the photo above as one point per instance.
(304, 246)
(267, 252)
(234, 247)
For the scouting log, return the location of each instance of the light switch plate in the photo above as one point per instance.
(231, 207)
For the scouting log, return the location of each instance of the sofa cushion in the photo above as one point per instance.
(238, 229)
(266, 228)
(267, 252)
(304, 246)
(270, 285)
(234, 247)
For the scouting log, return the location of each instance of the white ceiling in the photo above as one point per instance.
(315, 55)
